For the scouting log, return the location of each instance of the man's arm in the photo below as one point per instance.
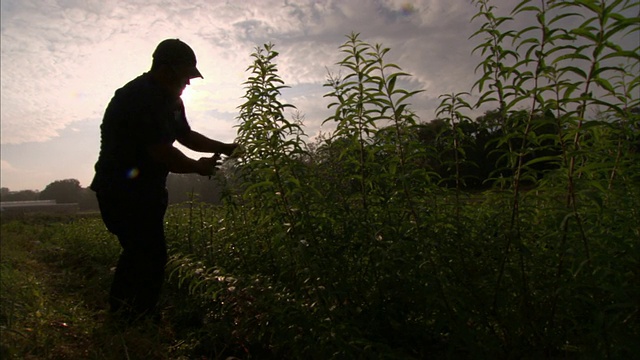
(178, 162)
(198, 142)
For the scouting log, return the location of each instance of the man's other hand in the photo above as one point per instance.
(207, 166)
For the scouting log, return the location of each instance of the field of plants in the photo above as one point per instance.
(512, 236)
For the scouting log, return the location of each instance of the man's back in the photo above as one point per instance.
(139, 115)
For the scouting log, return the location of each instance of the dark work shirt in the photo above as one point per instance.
(139, 115)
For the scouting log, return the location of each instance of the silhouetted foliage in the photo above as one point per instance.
(186, 187)
(483, 151)
(62, 191)
(22, 195)
(87, 200)
(371, 245)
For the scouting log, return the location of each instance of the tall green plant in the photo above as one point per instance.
(273, 144)
(341, 246)
(372, 114)
(355, 120)
(451, 110)
(567, 72)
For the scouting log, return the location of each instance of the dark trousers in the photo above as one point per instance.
(137, 219)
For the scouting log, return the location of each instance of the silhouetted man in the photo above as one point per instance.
(140, 125)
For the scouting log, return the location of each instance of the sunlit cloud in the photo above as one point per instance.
(62, 64)
(62, 61)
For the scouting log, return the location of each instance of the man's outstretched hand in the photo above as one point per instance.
(232, 149)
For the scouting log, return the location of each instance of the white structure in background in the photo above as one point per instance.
(37, 206)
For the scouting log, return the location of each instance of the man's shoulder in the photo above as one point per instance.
(139, 86)
(140, 92)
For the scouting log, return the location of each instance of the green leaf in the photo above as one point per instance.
(622, 54)
(541, 160)
(604, 83)
(575, 70)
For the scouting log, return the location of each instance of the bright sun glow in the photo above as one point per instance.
(187, 96)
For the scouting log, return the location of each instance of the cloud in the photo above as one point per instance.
(62, 64)
(26, 178)
(7, 167)
(62, 61)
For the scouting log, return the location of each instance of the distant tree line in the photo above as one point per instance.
(481, 146)
(181, 187)
(23, 195)
(482, 149)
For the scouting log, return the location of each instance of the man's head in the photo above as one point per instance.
(176, 53)
(175, 62)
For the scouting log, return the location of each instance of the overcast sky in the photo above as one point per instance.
(62, 60)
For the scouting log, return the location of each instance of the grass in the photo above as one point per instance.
(55, 275)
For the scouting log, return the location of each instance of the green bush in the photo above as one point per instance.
(363, 248)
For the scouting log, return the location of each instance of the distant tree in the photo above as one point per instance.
(4, 193)
(87, 200)
(62, 191)
(482, 153)
(22, 195)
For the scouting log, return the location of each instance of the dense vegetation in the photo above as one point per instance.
(513, 236)
(373, 245)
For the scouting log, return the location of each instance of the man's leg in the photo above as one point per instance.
(137, 220)
(145, 265)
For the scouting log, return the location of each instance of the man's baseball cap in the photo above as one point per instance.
(176, 52)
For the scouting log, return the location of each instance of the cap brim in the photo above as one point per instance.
(194, 73)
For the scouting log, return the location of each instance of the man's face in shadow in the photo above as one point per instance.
(179, 79)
